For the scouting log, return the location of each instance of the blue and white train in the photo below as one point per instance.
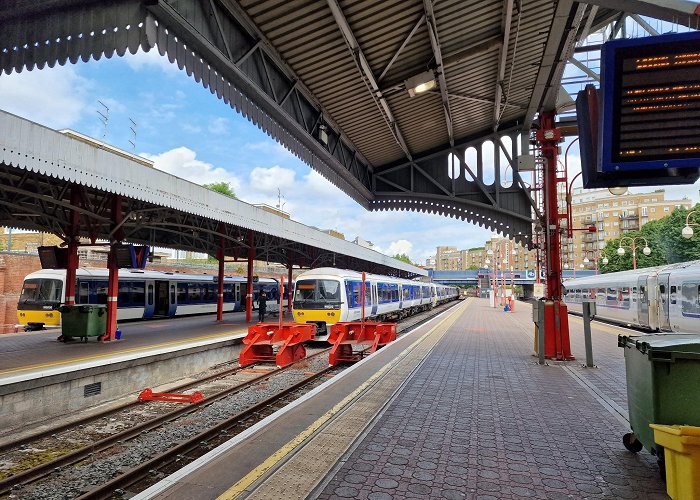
(142, 294)
(326, 296)
(663, 298)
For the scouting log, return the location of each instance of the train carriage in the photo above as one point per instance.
(663, 298)
(326, 296)
(141, 295)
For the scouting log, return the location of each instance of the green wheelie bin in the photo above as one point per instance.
(83, 321)
(663, 385)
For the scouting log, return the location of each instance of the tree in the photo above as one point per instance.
(665, 240)
(222, 187)
(403, 258)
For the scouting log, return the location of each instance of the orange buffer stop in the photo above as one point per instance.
(344, 336)
(287, 337)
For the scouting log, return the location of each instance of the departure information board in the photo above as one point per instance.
(651, 103)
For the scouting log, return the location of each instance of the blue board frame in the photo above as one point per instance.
(611, 58)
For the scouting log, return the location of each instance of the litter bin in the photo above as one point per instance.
(662, 371)
(83, 320)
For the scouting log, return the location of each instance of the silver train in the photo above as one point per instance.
(326, 296)
(664, 298)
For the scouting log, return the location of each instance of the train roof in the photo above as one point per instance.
(332, 272)
(617, 277)
(138, 274)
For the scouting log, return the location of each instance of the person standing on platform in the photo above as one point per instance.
(262, 306)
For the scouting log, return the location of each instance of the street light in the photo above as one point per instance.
(687, 231)
(646, 250)
(605, 261)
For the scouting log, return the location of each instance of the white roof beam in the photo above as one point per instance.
(366, 71)
(437, 53)
(507, 22)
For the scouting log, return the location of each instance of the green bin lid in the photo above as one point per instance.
(679, 342)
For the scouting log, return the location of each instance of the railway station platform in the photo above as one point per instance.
(459, 408)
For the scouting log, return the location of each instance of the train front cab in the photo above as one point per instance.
(318, 301)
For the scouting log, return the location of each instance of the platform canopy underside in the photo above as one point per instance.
(46, 176)
(327, 79)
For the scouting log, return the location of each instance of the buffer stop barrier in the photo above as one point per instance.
(345, 337)
(275, 342)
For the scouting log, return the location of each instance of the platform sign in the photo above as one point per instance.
(130, 256)
(651, 104)
(53, 257)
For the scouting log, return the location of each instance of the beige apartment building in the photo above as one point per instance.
(613, 217)
(505, 254)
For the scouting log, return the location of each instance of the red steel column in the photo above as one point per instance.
(556, 319)
(289, 289)
(220, 292)
(73, 261)
(249, 289)
(113, 280)
(112, 293)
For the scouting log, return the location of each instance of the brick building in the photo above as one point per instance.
(613, 217)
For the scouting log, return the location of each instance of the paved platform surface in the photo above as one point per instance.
(34, 351)
(480, 419)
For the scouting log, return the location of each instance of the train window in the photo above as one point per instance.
(612, 294)
(662, 288)
(228, 292)
(673, 294)
(194, 292)
(101, 292)
(172, 294)
(124, 294)
(83, 293)
(690, 301)
(182, 293)
(150, 294)
(138, 292)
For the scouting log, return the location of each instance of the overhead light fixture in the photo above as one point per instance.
(618, 191)
(323, 134)
(420, 83)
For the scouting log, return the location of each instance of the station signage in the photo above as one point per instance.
(651, 103)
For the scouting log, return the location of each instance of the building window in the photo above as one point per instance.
(666, 209)
(615, 214)
(654, 200)
(644, 211)
(653, 210)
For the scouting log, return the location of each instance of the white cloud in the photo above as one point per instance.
(183, 163)
(218, 126)
(151, 59)
(53, 97)
(269, 180)
(399, 247)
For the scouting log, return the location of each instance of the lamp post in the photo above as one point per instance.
(687, 231)
(621, 251)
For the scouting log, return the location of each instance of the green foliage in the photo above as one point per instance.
(665, 240)
(221, 187)
(403, 258)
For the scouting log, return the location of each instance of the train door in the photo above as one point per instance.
(643, 301)
(664, 319)
(150, 305)
(375, 301)
(237, 297)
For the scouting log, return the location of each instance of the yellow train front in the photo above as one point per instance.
(42, 295)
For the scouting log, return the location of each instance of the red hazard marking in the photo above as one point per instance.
(154, 326)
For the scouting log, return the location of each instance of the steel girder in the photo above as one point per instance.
(30, 200)
(445, 183)
(210, 40)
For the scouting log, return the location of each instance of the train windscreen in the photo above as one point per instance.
(41, 292)
(317, 294)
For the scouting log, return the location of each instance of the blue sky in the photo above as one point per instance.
(188, 132)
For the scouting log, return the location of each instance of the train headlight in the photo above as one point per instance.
(49, 315)
(300, 314)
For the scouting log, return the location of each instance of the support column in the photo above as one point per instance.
(220, 291)
(289, 288)
(112, 293)
(73, 261)
(249, 289)
(556, 318)
(113, 280)
(71, 270)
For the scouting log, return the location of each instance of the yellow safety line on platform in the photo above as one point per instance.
(254, 475)
(117, 353)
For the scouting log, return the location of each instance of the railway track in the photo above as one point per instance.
(158, 437)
